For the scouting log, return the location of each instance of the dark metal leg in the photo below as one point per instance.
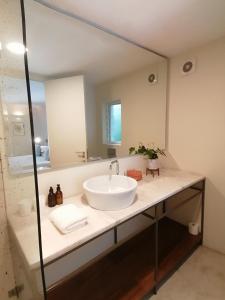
(115, 235)
(156, 248)
(203, 211)
(164, 206)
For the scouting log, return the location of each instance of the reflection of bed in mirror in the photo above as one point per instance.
(24, 163)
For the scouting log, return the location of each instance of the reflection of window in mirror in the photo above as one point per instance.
(114, 123)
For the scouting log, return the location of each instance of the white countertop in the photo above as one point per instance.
(150, 191)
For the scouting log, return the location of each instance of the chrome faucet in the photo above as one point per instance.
(117, 168)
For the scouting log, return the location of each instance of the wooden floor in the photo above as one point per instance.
(128, 271)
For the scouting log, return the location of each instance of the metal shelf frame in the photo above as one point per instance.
(160, 211)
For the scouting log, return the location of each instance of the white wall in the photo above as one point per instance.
(40, 122)
(7, 281)
(91, 118)
(66, 119)
(196, 127)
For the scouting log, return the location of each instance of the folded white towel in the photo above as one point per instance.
(68, 217)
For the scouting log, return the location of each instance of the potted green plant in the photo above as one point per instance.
(151, 153)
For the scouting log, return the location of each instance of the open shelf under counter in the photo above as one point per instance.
(128, 272)
(176, 244)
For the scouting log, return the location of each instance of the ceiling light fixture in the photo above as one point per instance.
(16, 48)
(37, 140)
(18, 113)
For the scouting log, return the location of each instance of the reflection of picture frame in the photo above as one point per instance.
(18, 128)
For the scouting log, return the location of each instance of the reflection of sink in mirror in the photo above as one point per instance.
(110, 194)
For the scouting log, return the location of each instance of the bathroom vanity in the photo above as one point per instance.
(139, 264)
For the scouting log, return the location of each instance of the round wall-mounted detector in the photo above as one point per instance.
(188, 66)
(152, 78)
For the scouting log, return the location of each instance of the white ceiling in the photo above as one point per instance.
(59, 46)
(167, 26)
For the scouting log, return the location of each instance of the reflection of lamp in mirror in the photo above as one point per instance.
(18, 113)
(37, 140)
(16, 48)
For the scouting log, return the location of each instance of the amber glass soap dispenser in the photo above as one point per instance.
(59, 195)
(51, 198)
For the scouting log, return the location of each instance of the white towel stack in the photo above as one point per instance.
(68, 217)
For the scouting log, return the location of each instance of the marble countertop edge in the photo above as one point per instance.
(150, 192)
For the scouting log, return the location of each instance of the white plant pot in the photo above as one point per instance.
(153, 164)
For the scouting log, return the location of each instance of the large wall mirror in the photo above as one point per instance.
(94, 95)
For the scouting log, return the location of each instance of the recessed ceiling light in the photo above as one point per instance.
(16, 48)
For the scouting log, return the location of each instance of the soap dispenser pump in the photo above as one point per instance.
(59, 195)
(51, 198)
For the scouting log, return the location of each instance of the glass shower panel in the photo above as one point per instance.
(17, 158)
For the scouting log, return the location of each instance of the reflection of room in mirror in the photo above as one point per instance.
(17, 124)
(98, 98)
(143, 109)
(18, 128)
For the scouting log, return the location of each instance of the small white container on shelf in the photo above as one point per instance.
(193, 228)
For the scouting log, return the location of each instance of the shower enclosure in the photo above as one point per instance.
(16, 141)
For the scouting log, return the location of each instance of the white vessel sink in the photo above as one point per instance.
(105, 194)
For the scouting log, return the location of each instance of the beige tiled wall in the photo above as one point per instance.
(10, 65)
(6, 269)
(7, 281)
